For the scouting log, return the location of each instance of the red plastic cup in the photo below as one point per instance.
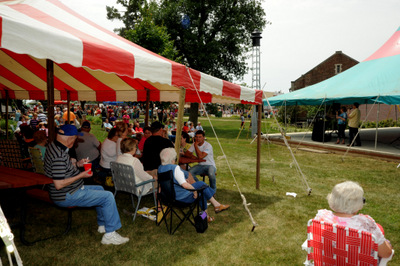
(88, 166)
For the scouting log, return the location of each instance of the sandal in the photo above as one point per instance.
(221, 208)
(210, 219)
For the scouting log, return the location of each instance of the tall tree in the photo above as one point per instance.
(212, 36)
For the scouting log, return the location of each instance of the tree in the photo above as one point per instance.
(212, 36)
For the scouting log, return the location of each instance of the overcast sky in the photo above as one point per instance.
(303, 33)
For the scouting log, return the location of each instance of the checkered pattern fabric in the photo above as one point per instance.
(11, 155)
(331, 244)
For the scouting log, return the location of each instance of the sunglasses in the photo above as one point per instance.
(364, 200)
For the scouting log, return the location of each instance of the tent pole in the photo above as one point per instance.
(7, 97)
(68, 104)
(285, 120)
(50, 99)
(323, 127)
(146, 116)
(395, 109)
(377, 123)
(179, 125)
(258, 146)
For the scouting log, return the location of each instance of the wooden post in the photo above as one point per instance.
(146, 115)
(68, 106)
(179, 123)
(258, 146)
(50, 99)
(7, 96)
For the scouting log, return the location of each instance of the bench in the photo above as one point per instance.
(42, 195)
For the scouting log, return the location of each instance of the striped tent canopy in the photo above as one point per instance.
(376, 79)
(92, 63)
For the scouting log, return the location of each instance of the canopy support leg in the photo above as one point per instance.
(50, 99)
(179, 125)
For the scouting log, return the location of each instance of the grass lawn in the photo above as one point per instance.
(281, 219)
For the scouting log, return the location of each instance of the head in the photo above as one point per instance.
(168, 156)
(356, 104)
(128, 145)
(346, 197)
(184, 138)
(147, 132)
(157, 128)
(57, 117)
(106, 120)
(199, 136)
(67, 134)
(40, 137)
(122, 129)
(198, 123)
(112, 134)
(86, 126)
(343, 108)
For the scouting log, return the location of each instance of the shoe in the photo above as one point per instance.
(221, 208)
(101, 229)
(210, 219)
(338, 141)
(343, 142)
(113, 238)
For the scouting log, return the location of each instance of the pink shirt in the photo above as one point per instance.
(126, 118)
(141, 143)
(359, 222)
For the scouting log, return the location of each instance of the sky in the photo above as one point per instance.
(302, 33)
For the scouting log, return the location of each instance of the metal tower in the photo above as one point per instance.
(255, 80)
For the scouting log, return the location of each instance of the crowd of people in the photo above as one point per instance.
(150, 150)
(128, 143)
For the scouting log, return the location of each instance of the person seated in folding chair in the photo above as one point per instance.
(168, 158)
(67, 189)
(128, 149)
(203, 150)
(346, 200)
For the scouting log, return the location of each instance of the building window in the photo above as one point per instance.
(338, 68)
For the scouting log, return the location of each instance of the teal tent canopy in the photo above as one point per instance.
(376, 79)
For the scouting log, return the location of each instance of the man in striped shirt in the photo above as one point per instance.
(68, 190)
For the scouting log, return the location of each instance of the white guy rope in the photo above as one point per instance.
(303, 178)
(245, 204)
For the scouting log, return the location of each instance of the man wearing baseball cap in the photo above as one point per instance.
(68, 190)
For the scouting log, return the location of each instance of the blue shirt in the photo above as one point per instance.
(340, 121)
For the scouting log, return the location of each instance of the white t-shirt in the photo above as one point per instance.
(207, 148)
(179, 176)
(108, 153)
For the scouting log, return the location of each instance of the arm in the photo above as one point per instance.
(199, 153)
(385, 249)
(59, 184)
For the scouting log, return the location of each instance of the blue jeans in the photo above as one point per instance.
(209, 170)
(208, 194)
(95, 196)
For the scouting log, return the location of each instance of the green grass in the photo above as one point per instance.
(281, 219)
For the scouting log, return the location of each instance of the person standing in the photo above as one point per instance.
(67, 189)
(88, 146)
(342, 118)
(354, 123)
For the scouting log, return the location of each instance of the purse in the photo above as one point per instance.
(200, 222)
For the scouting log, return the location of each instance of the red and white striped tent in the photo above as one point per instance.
(93, 63)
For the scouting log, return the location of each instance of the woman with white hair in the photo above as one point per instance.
(346, 200)
(168, 158)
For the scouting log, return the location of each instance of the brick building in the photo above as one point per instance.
(336, 63)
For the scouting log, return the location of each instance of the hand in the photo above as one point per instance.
(195, 194)
(85, 174)
(81, 162)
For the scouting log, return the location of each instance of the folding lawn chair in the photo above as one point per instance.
(124, 180)
(172, 207)
(332, 244)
